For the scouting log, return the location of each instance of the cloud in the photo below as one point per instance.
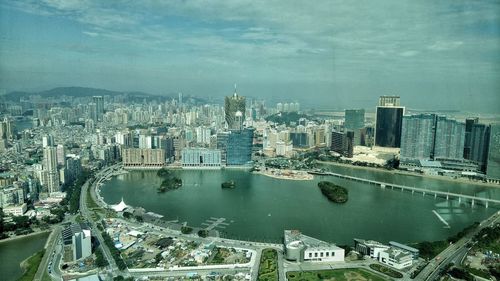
(445, 45)
(334, 42)
(91, 34)
(410, 53)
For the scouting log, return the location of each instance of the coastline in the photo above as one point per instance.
(304, 176)
(23, 236)
(406, 173)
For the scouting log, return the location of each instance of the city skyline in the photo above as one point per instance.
(345, 55)
(249, 140)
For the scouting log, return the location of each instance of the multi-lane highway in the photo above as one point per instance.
(454, 253)
(47, 259)
(86, 213)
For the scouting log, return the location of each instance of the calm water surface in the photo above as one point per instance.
(13, 252)
(260, 207)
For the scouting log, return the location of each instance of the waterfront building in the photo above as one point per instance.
(300, 247)
(222, 138)
(239, 147)
(477, 150)
(493, 164)
(396, 258)
(232, 105)
(415, 252)
(469, 123)
(389, 119)
(449, 138)
(201, 158)
(417, 137)
(369, 247)
(143, 158)
(343, 143)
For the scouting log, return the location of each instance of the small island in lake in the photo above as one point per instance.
(333, 192)
(228, 184)
(169, 181)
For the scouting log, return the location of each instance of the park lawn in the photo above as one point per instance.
(268, 268)
(348, 274)
(31, 266)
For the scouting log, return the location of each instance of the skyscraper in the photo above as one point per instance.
(50, 172)
(232, 105)
(6, 131)
(469, 123)
(343, 143)
(239, 147)
(389, 122)
(417, 136)
(354, 121)
(99, 107)
(478, 147)
(493, 165)
(449, 139)
(47, 140)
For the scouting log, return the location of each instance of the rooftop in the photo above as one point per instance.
(293, 236)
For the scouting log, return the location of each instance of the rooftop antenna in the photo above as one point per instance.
(234, 89)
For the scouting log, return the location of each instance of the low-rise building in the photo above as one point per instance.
(15, 210)
(369, 247)
(396, 258)
(300, 247)
(397, 255)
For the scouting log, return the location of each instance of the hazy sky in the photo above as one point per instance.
(339, 54)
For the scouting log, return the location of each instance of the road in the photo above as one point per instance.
(454, 253)
(86, 213)
(47, 257)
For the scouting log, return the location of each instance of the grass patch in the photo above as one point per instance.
(386, 270)
(91, 204)
(348, 274)
(46, 276)
(32, 266)
(268, 267)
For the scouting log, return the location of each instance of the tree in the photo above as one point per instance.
(100, 261)
(139, 218)
(186, 230)
(203, 233)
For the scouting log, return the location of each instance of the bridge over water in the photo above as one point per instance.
(444, 194)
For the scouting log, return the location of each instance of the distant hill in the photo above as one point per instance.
(73, 92)
(89, 92)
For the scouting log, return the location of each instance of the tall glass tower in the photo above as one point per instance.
(234, 109)
(239, 147)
